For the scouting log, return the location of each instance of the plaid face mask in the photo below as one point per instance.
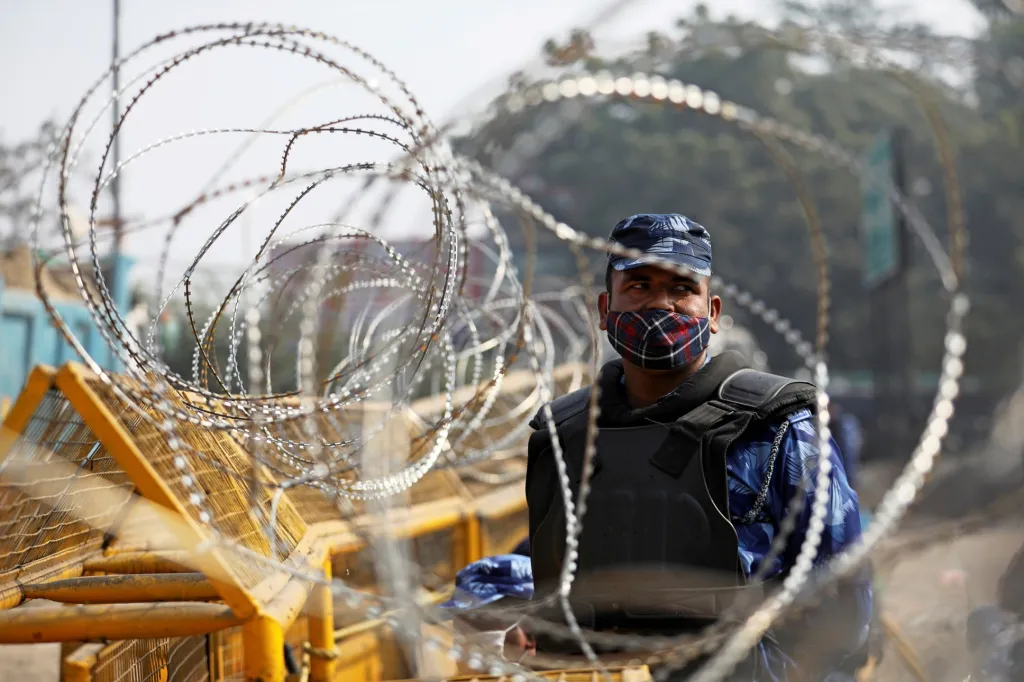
(658, 339)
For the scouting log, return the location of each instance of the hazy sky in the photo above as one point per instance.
(52, 50)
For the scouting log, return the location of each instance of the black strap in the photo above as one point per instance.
(691, 428)
(563, 408)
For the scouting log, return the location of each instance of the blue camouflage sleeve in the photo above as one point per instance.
(800, 456)
(492, 578)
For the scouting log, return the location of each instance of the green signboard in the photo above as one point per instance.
(879, 233)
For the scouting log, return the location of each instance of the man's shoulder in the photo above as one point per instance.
(771, 396)
(760, 441)
(562, 409)
(803, 416)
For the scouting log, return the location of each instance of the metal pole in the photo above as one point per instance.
(263, 650)
(903, 366)
(115, 184)
(892, 361)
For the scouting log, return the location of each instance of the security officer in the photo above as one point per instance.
(697, 461)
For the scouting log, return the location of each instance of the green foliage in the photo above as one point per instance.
(622, 158)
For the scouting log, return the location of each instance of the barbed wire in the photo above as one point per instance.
(459, 317)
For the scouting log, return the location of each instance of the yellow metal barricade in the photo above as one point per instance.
(72, 447)
(184, 659)
(638, 673)
(503, 519)
(47, 535)
(171, 613)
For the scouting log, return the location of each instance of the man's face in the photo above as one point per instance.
(653, 288)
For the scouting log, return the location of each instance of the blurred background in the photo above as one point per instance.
(590, 165)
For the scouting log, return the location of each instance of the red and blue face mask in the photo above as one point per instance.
(658, 339)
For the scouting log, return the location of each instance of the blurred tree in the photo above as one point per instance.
(579, 47)
(620, 157)
(20, 166)
(999, 58)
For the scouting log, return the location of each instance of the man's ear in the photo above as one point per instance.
(602, 310)
(714, 313)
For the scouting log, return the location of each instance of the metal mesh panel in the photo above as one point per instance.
(335, 427)
(231, 654)
(313, 505)
(517, 399)
(435, 554)
(226, 497)
(436, 485)
(507, 468)
(32, 529)
(501, 534)
(133, 660)
(182, 659)
(360, 658)
(356, 569)
(504, 520)
(188, 660)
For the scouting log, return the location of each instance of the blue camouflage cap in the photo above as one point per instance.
(669, 236)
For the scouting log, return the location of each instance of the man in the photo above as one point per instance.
(698, 460)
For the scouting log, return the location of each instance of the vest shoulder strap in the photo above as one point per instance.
(744, 397)
(765, 394)
(563, 409)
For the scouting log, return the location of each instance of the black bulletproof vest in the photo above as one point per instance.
(658, 551)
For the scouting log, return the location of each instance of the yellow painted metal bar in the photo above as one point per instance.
(38, 383)
(113, 621)
(422, 519)
(468, 543)
(263, 650)
(496, 506)
(17, 418)
(308, 554)
(904, 647)
(289, 602)
(215, 655)
(15, 421)
(78, 666)
(5, 405)
(140, 563)
(119, 443)
(62, 565)
(501, 502)
(321, 630)
(125, 589)
(428, 599)
(633, 673)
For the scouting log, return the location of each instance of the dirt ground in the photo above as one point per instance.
(928, 591)
(30, 663)
(928, 594)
